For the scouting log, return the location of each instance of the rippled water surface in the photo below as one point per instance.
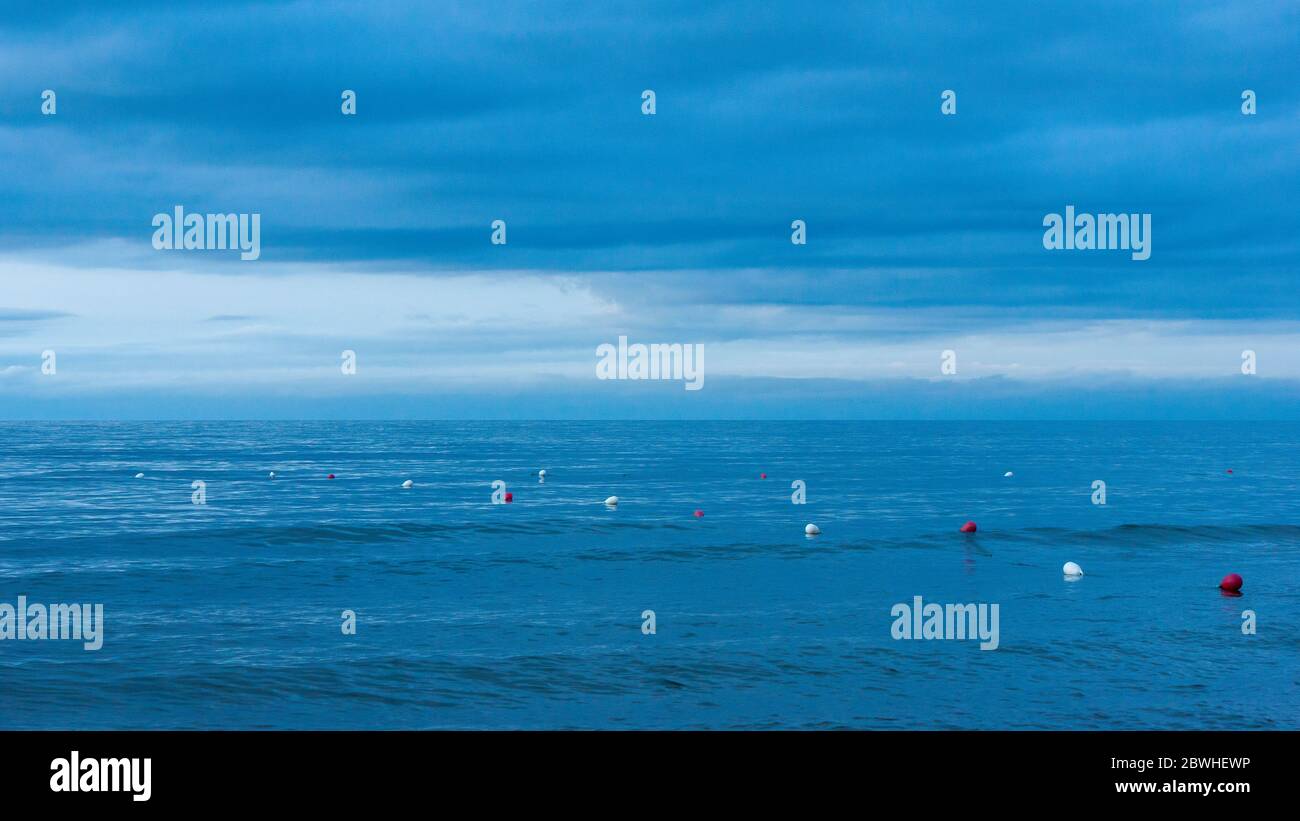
(528, 615)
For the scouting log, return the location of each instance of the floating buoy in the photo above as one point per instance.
(762, 475)
(331, 476)
(969, 527)
(1230, 470)
(271, 475)
(699, 514)
(1072, 569)
(1231, 583)
(812, 530)
(541, 473)
(139, 476)
(612, 501)
(408, 484)
(510, 497)
(1008, 474)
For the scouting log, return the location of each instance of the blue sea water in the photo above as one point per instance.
(529, 615)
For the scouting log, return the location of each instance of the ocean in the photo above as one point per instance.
(532, 614)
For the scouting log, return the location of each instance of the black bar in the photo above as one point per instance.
(331, 770)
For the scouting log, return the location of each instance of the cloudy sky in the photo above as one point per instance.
(924, 230)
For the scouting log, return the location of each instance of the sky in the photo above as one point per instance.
(924, 230)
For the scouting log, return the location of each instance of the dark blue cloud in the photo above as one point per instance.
(530, 113)
(22, 315)
(767, 112)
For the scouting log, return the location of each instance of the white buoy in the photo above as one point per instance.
(812, 530)
(1008, 474)
(271, 475)
(1072, 569)
(408, 484)
(139, 476)
(612, 501)
(541, 474)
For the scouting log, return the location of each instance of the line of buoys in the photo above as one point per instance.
(1231, 583)
(1072, 571)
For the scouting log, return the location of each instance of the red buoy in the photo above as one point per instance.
(969, 527)
(331, 476)
(1231, 583)
(1230, 470)
(510, 496)
(699, 514)
(762, 475)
